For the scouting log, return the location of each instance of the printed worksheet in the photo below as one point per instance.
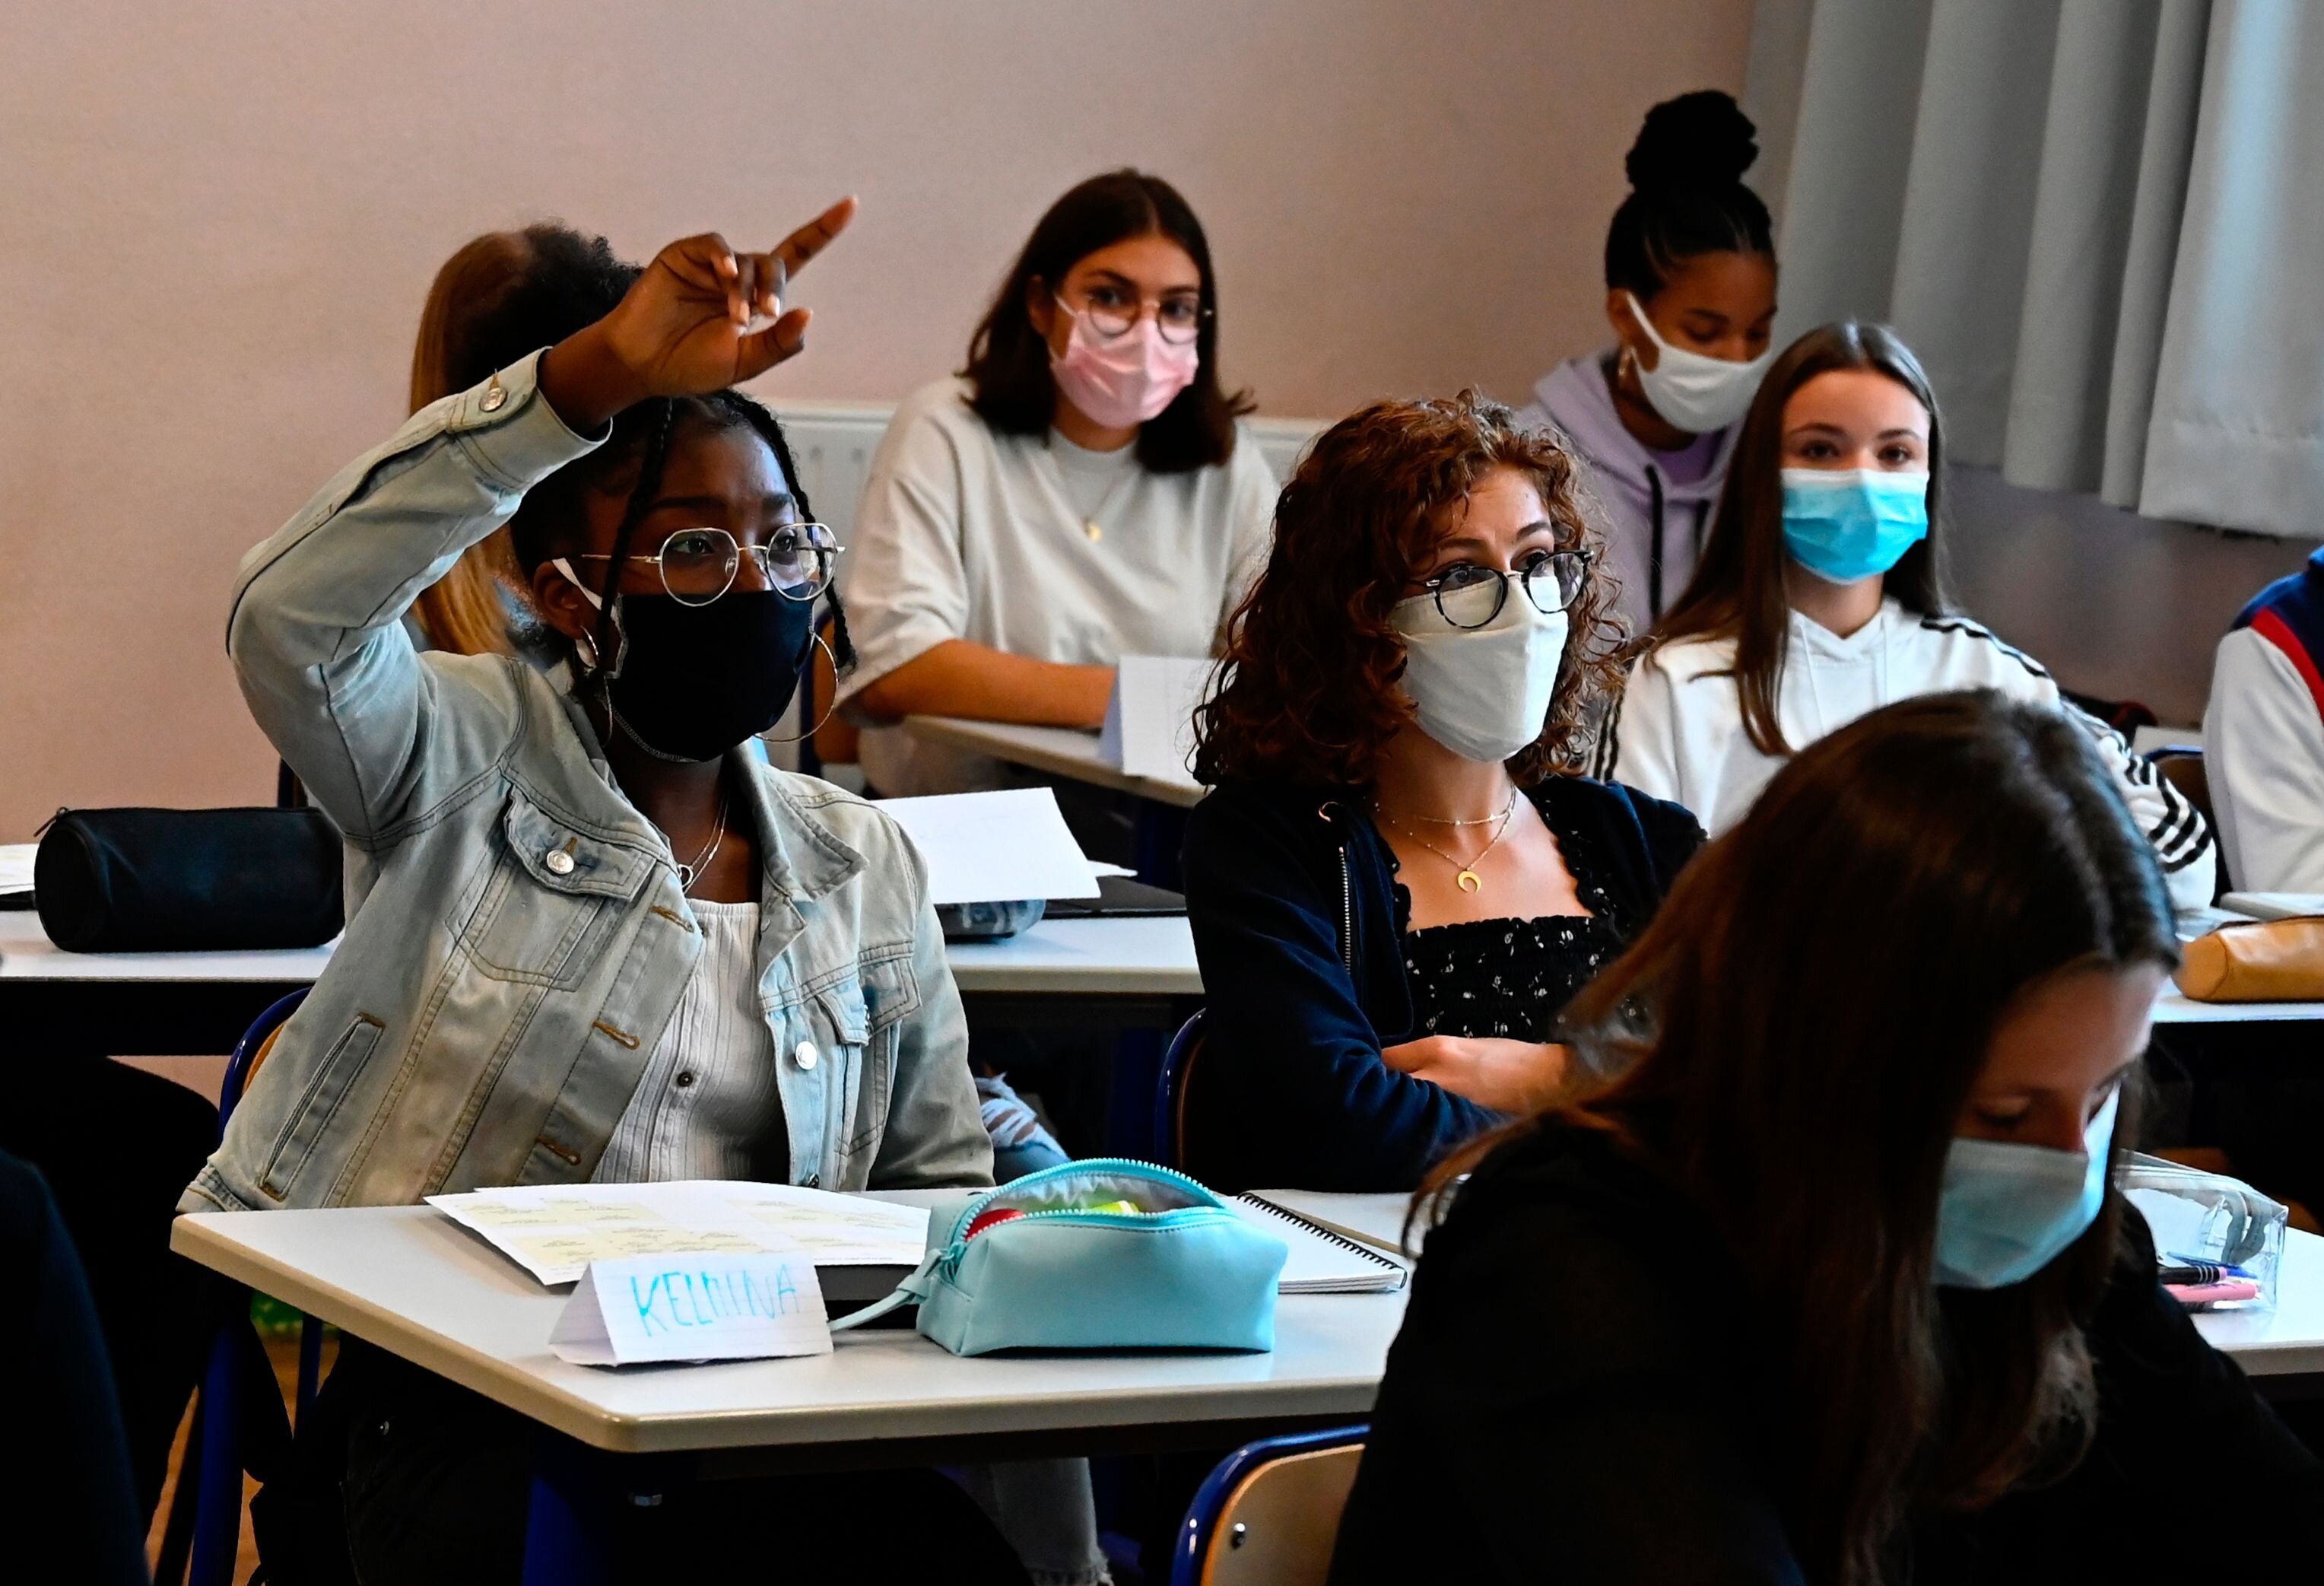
(554, 1231)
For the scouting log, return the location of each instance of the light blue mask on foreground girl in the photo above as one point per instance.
(1853, 523)
(2006, 1210)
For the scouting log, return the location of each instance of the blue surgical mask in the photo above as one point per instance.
(2007, 1210)
(1854, 523)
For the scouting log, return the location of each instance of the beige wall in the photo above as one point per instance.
(218, 221)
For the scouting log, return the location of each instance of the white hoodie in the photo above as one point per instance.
(1678, 730)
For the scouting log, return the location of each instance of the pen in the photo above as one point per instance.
(2195, 1270)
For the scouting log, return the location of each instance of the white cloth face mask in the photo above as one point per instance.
(1693, 393)
(1483, 693)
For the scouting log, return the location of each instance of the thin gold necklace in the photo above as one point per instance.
(688, 874)
(1466, 876)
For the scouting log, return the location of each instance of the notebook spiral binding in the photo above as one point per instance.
(1331, 1234)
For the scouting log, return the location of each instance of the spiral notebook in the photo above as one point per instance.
(1321, 1261)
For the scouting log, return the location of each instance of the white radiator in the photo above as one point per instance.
(834, 442)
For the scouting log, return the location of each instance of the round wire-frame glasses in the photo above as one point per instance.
(699, 564)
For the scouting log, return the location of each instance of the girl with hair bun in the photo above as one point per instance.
(1691, 293)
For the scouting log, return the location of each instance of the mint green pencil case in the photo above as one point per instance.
(1183, 1271)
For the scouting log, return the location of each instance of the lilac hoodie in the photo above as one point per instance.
(1642, 496)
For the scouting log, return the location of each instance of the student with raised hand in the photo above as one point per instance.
(592, 934)
(1691, 293)
(1081, 492)
(1822, 595)
(1394, 886)
(2263, 738)
(1829, 1284)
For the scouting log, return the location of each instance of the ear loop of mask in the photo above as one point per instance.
(597, 601)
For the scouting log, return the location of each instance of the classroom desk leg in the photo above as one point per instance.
(579, 1501)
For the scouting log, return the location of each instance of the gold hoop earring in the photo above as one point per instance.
(811, 732)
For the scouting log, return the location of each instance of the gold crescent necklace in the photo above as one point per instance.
(1465, 876)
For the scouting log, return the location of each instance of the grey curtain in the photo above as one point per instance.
(2099, 222)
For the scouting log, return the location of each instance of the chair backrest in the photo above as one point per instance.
(2181, 766)
(1269, 1514)
(1170, 1092)
(251, 1051)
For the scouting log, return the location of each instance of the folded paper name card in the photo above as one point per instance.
(705, 1308)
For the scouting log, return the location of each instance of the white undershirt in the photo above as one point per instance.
(707, 1106)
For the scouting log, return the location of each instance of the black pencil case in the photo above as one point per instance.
(163, 880)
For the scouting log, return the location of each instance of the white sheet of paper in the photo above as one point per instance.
(994, 847)
(16, 866)
(555, 1231)
(645, 1308)
(1149, 723)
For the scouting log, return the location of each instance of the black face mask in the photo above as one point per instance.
(695, 680)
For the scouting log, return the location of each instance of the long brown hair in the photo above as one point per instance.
(1793, 1038)
(1307, 690)
(466, 611)
(1738, 588)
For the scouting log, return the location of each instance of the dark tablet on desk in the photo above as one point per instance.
(1119, 897)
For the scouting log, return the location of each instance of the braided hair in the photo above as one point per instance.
(649, 427)
(1687, 197)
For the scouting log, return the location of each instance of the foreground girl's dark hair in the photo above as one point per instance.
(1738, 588)
(1009, 362)
(1791, 1043)
(1308, 688)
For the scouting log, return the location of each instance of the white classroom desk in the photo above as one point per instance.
(133, 1004)
(1148, 957)
(410, 1281)
(1128, 955)
(1062, 751)
(2286, 1343)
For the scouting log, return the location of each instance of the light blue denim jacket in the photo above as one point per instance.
(516, 936)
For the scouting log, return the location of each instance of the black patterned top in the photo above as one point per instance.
(1511, 977)
(1503, 977)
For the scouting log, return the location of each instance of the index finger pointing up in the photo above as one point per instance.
(816, 235)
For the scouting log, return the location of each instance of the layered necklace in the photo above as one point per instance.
(688, 874)
(1466, 875)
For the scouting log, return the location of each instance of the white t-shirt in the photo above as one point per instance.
(2264, 743)
(1679, 730)
(1031, 545)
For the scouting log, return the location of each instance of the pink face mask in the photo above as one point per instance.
(1124, 380)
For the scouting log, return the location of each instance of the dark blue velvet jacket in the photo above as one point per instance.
(1298, 923)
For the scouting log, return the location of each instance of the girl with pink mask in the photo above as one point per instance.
(1077, 494)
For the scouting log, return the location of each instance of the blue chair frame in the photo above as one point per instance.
(1197, 1530)
(1176, 1059)
(219, 1431)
